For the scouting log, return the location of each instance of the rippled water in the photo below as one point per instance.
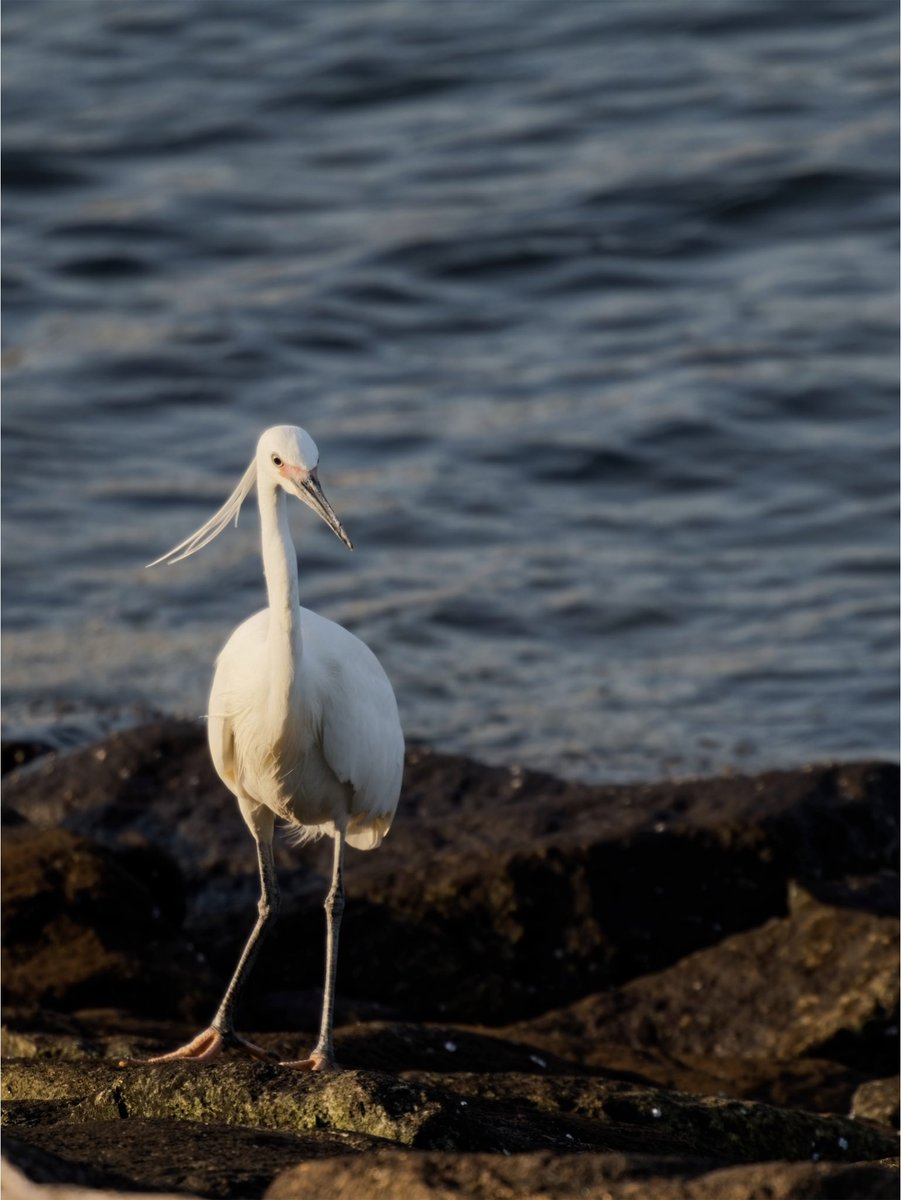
(590, 307)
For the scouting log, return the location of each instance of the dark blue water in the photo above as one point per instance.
(591, 308)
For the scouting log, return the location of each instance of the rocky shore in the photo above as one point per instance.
(681, 990)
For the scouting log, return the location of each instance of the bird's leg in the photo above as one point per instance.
(267, 914)
(222, 1030)
(322, 1057)
(334, 910)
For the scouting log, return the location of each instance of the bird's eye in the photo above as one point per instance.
(276, 460)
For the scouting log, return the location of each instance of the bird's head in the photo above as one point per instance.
(287, 457)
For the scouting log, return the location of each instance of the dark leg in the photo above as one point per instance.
(267, 909)
(222, 1030)
(322, 1057)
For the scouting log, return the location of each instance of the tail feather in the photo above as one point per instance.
(364, 832)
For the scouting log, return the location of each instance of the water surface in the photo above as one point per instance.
(591, 309)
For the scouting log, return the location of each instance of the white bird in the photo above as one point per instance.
(303, 724)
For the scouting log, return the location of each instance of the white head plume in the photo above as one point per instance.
(214, 526)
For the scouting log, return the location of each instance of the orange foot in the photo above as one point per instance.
(316, 1062)
(206, 1045)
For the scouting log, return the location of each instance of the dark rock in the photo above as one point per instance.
(429, 1176)
(87, 1034)
(878, 893)
(877, 1100)
(162, 1154)
(21, 752)
(154, 782)
(71, 917)
(639, 967)
(445, 1049)
(536, 891)
(41, 1166)
(814, 1084)
(501, 893)
(757, 1000)
(464, 1113)
(79, 927)
(9, 818)
(157, 872)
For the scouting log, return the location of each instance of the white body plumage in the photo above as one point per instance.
(329, 751)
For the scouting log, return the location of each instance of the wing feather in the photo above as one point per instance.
(362, 741)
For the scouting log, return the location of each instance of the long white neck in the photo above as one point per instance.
(280, 567)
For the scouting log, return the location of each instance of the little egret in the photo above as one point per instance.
(303, 724)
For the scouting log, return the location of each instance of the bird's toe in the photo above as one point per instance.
(205, 1045)
(251, 1048)
(316, 1062)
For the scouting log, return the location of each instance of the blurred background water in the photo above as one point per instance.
(591, 308)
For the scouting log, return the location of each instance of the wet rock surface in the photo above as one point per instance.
(685, 989)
